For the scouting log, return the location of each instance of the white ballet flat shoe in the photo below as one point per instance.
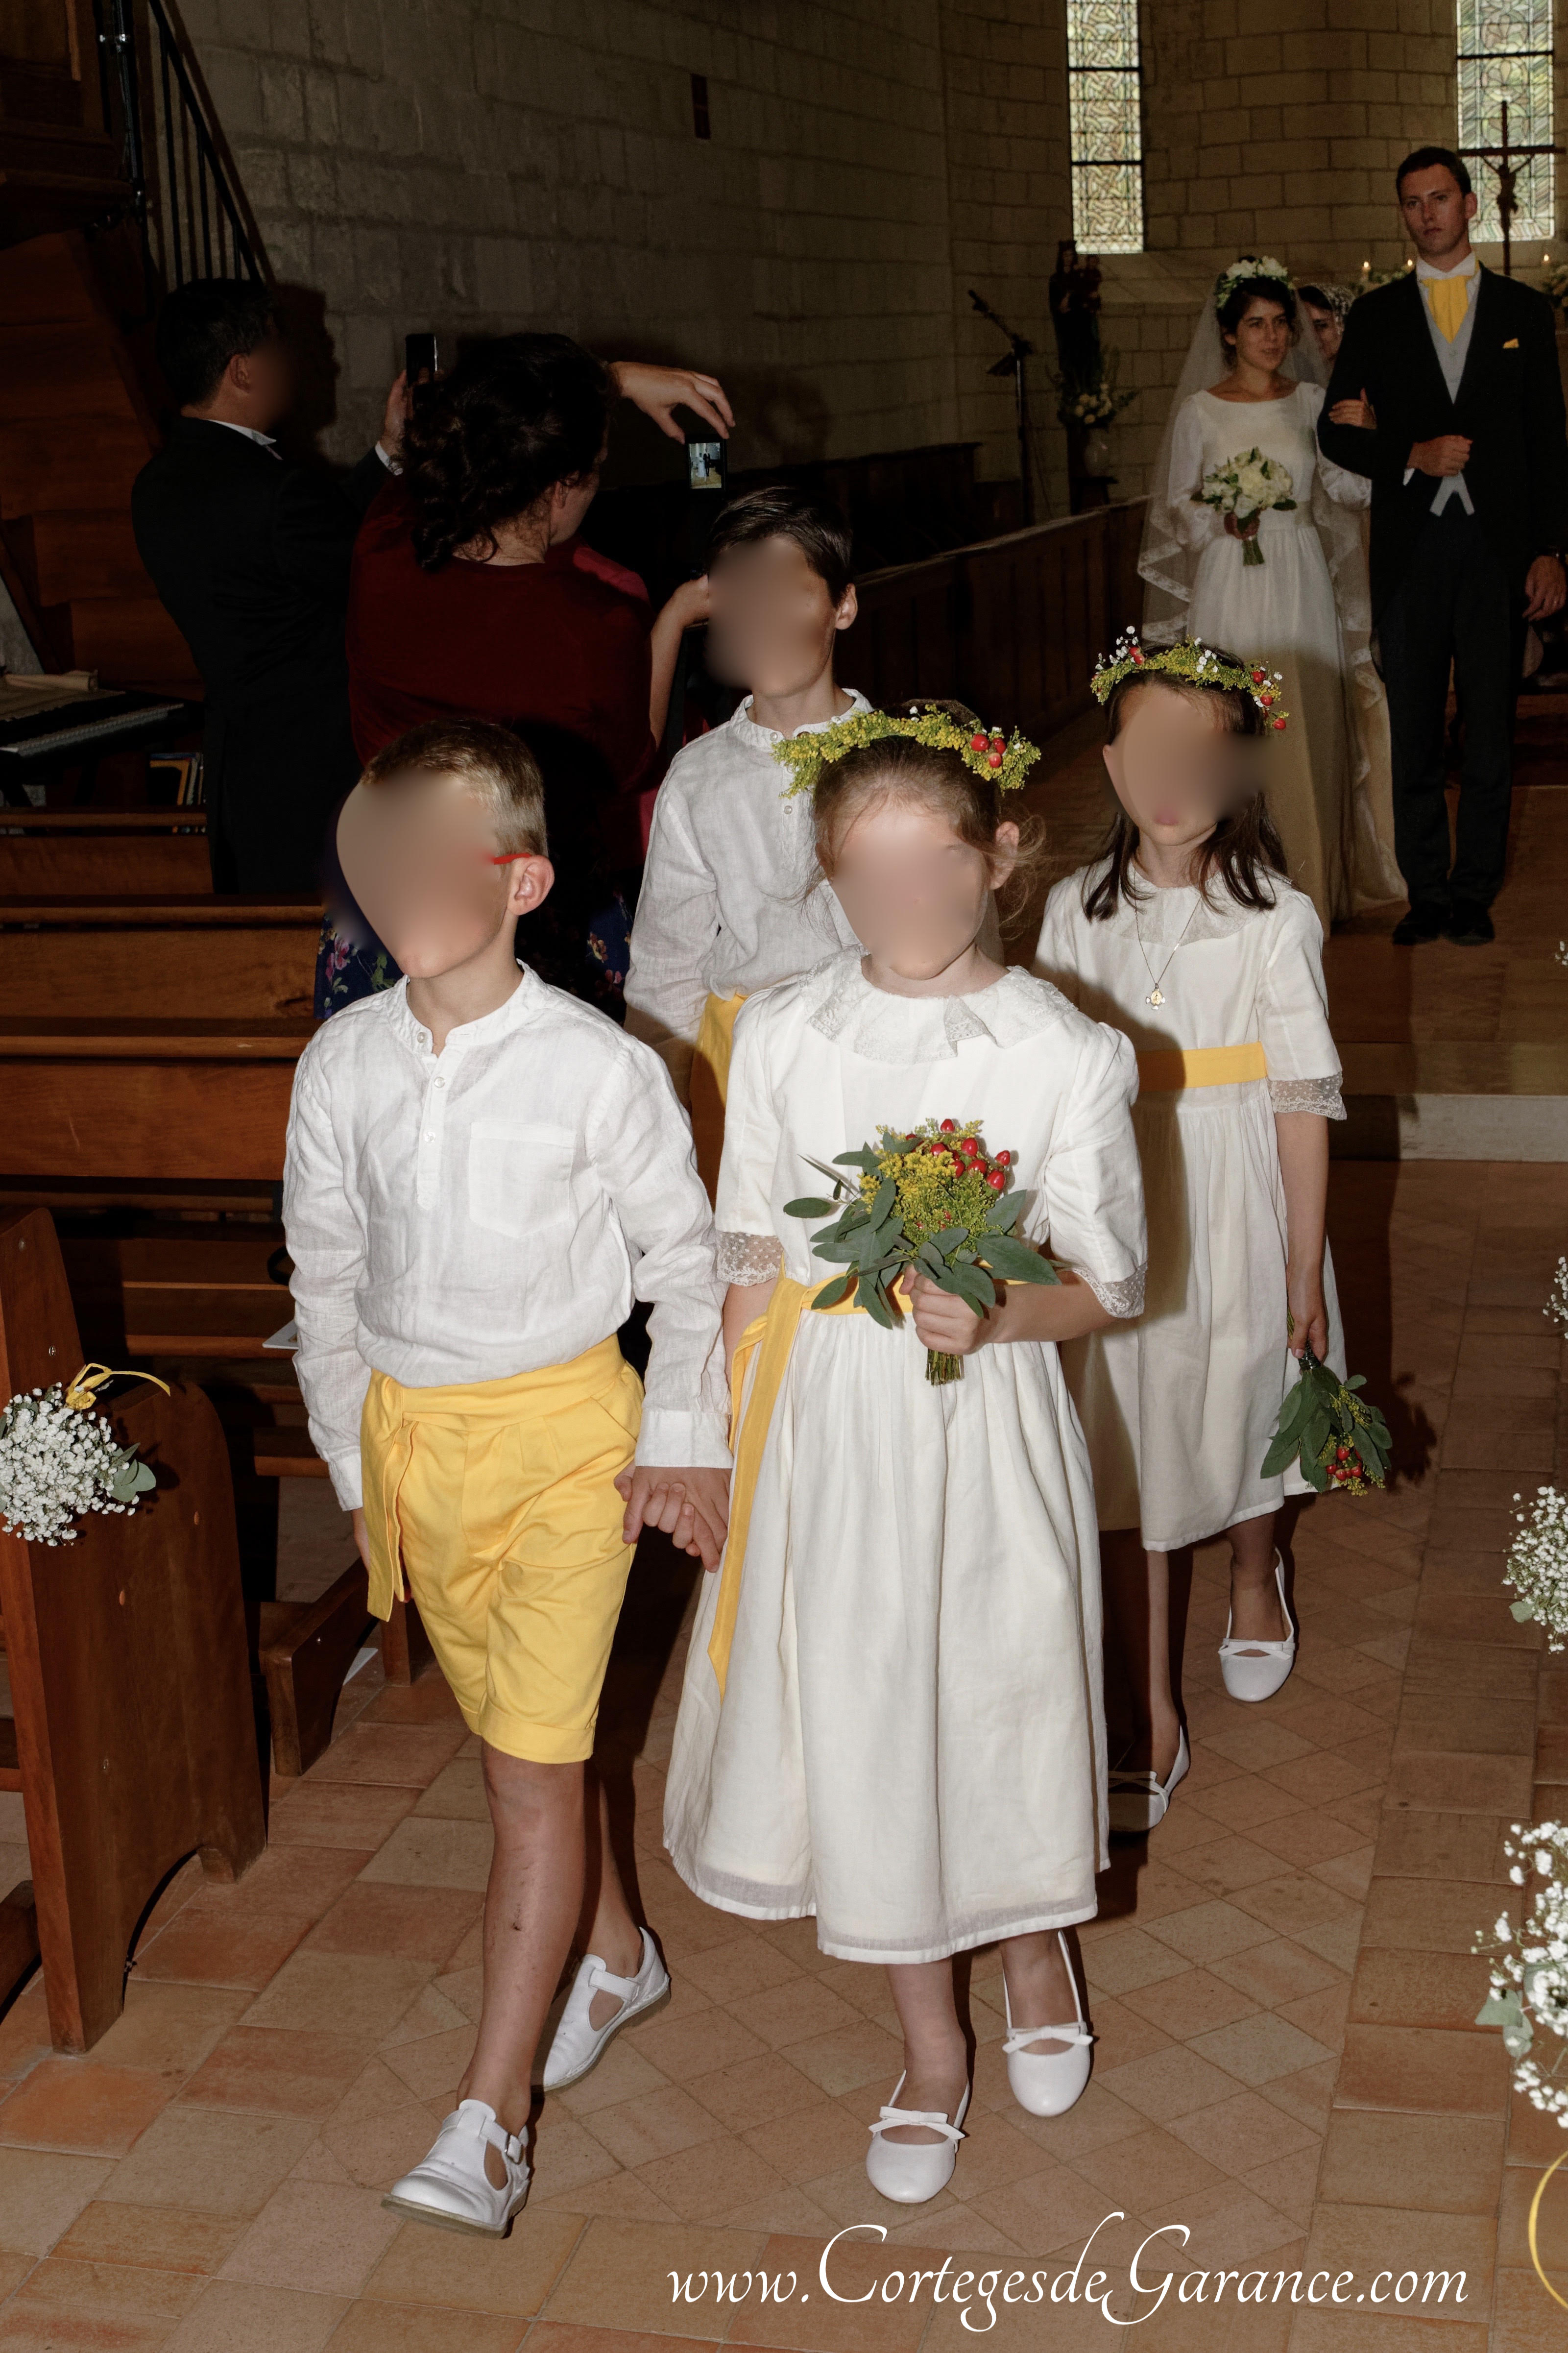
(578, 2045)
(912, 2172)
(1253, 1669)
(1047, 2083)
(452, 2188)
(1138, 1800)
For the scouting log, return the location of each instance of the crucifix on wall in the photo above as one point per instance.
(1505, 160)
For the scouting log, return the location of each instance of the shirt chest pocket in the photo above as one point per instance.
(519, 1178)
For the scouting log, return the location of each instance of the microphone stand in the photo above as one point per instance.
(1019, 350)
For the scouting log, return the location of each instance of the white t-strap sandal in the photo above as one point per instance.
(452, 2186)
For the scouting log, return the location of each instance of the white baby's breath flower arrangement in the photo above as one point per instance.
(1247, 486)
(1538, 1565)
(58, 1461)
(1556, 1305)
(1529, 1971)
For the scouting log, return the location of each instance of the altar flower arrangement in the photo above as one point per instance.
(1529, 1971)
(931, 1198)
(1248, 486)
(1325, 1425)
(1538, 1565)
(59, 1460)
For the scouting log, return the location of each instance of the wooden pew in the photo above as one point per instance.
(92, 853)
(230, 958)
(132, 1741)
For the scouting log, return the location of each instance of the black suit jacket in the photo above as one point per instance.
(251, 556)
(1510, 405)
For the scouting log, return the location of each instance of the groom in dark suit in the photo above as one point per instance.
(1468, 464)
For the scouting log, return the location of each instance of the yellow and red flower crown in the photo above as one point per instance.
(1194, 664)
(1004, 761)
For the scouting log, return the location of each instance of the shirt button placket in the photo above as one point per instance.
(432, 1127)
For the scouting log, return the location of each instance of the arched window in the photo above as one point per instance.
(1105, 96)
(1505, 52)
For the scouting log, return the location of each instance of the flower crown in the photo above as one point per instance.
(1003, 762)
(1247, 267)
(1194, 664)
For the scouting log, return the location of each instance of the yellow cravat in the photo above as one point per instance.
(1450, 298)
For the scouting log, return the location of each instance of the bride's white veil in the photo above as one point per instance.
(1168, 560)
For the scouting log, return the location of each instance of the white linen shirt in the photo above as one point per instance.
(721, 909)
(494, 1209)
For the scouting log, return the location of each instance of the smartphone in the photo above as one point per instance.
(419, 359)
(706, 467)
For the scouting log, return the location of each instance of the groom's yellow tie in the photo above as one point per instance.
(1450, 298)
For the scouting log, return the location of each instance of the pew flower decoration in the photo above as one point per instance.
(58, 1459)
(1556, 1305)
(1538, 1565)
(1529, 1971)
(1338, 1439)
(932, 1200)
(1247, 487)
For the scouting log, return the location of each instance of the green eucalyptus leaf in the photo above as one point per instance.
(809, 1206)
(836, 1290)
(1521, 1610)
(1014, 1261)
(882, 1202)
(950, 1237)
(1279, 1457)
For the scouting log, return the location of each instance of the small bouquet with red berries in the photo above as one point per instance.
(1337, 1438)
(932, 1198)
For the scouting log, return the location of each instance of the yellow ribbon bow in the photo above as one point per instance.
(81, 1389)
(1450, 298)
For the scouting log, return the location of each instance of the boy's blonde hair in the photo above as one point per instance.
(495, 766)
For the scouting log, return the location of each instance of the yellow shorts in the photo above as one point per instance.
(711, 1083)
(496, 1500)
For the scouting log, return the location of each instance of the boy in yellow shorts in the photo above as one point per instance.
(482, 1174)
(727, 905)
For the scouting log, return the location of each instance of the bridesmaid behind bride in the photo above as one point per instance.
(1323, 777)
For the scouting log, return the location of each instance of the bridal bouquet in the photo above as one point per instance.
(1339, 1440)
(1247, 487)
(932, 1198)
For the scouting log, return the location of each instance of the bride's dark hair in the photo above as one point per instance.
(516, 415)
(1244, 850)
(1233, 310)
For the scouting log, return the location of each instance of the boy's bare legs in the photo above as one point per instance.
(1137, 1587)
(1255, 1613)
(936, 2057)
(611, 1932)
(532, 1903)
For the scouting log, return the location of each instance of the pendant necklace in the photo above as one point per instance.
(1156, 995)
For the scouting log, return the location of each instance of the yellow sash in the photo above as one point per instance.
(715, 1037)
(771, 1336)
(1170, 1069)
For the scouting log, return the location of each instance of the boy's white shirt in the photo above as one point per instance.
(720, 910)
(495, 1209)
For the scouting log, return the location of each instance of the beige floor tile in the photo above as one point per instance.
(231, 2317)
(618, 2275)
(277, 2068)
(656, 2124)
(313, 2236)
(755, 2092)
(41, 2194)
(420, 2328)
(209, 2160)
(1169, 2083)
(1445, 2165)
(169, 2029)
(1242, 2133)
(1259, 2049)
(425, 1852)
(163, 2237)
(339, 1993)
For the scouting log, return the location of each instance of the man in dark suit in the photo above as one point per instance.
(251, 555)
(1464, 447)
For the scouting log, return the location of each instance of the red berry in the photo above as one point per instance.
(994, 759)
(977, 743)
(1004, 1160)
(1279, 725)
(950, 1127)
(1137, 655)
(1267, 701)
(996, 1181)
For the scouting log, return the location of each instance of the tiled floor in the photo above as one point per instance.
(1281, 1983)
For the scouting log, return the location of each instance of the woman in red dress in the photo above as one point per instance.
(473, 595)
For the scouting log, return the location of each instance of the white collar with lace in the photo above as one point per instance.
(886, 1028)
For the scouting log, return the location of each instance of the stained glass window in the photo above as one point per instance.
(1505, 52)
(1105, 100)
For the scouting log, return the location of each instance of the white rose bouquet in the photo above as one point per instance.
(1247, 487)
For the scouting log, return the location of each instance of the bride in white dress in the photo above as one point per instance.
(1304, 609)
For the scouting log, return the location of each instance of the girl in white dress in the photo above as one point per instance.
(892, 1715)
(1188, 939)
(1329, 789)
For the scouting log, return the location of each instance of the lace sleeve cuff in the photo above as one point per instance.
(1119, 1298)
(749, 1258)
(1319, 1095)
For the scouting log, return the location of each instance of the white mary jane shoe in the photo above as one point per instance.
(452, 2188)
(1254, 1670)
(912, 2171)
(1047, 2083)
(577, 2044)
(1138, 1800)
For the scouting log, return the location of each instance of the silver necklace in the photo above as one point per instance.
(1156, 995)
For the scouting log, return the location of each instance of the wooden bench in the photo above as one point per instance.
(133, 1740)
(94, 853)
(234, 959)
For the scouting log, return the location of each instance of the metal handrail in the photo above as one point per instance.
(186, 214)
